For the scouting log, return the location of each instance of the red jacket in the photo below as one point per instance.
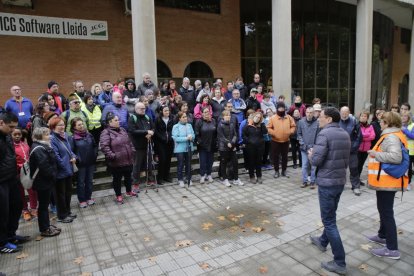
(302, 110)
(22, 154)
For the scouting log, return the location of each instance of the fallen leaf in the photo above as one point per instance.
(248, 224)
(263, 269)
(126, 235)
(86, 274)
(183, 243)
(228, 207)
(276, 215)
(280, 223)
(147, 239)
(221, 218)
(53, 218)
(234, 229)
(205, 248)
(39, 238)
(320, 224)
(78, 260)
(257, 229)
(206, 225)
(363, 267)
(185, 196)
(263, 212)
(366, 246)
(204, 266)
(22, 256)
(152, 259)
(239, 216)
(400, 232)
(265, 221)
(119, 221)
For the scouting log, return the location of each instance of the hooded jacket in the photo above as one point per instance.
(44, 159)
(218, 105)
(117, 147)
(8, 166)
(138, 127)
(189, 96)
(227, 133)
(132, 95)
(206, 133)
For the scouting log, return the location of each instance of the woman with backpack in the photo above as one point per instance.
(43, 159)
(94, 113)
(408, 130)
(86, 150)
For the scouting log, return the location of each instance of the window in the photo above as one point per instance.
(198, 69)
(163, 71)
(211, 6)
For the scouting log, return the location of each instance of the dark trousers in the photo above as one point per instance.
(117, 174)
(353, 170)
(96, 133)
(245, 158)
(206, 162)
(328, 203)
(10, 210)
(229, 158)
(84, 183)
(388, 229)
(63, 195)
(42, 212)
(280, 149)
(183, 161)
(266, 151)
(362, 157)
(255, 153)
(410, 168)
(296, 154)
(165, 153)
(139, 163)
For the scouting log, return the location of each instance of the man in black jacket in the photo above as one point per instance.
(188, 94)
(10, 201)
(141, 130)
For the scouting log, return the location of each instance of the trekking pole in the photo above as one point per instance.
(153, 165)
(147, 166)
(189, 163)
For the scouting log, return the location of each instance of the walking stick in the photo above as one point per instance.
(189, 162)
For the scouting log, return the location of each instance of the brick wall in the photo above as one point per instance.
(182, 37)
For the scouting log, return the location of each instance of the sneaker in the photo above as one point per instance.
(26, 215)
(361, 183)
(259, 180)
(295, 166)
(357, 192)
(72, 215)
(312, 185)
(33, 213)
(317, 242)
(252, 180)
(210, 179)
(18, 239)
(190, 183)
(385, 252)
(332, 266)
(119, 200)
(304, 184)
(276, 175)
(9, 248)
(168, 179)
(53, 209)
(226, 183)
(83, 204)
(202, 179)
(55, 227)
(409, 187)
(135, 188)
(284, 174)
(181, 183)
(238, 182)
(377, 239)
(65, 220)
(50, 232)
(91, 202)
(131, 194)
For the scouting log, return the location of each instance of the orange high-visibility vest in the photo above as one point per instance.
(385, 181)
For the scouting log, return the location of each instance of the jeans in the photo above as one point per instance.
(305, 165)
(84, 185)
(63, 194)
(117, 174)
(206, 162)
(277, 150)
(183, 160)
(328, 203)
(388, 229)
(43, 212)
(353, 170)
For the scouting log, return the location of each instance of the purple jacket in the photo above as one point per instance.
(117, 147)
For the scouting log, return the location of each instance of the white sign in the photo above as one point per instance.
(52, 27)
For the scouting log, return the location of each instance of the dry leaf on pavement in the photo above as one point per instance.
(319, 224)
(206, 225)
(280, 223)
(257, 229)
(22, 256)
(205, 248)
(248, 224)
(147, 239)
(39, 238)
(78, 260)
(400, 232)
(265, 221)
(205, 266)
(276, 215)
(183, 243)
(363, 267)
(86, 274)
(228, 207)
(263, 269)
(152, 259)
(366, 246)
(239, 216)
(221, 218)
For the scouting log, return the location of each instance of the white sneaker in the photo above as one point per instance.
(357, 192)
(238, 182)
(409, 187)
(181, 183)
(210, 179)
(202, 179)
(226, 183)
(191, 183)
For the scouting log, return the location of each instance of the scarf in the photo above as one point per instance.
(90, 107)
(77, 135)
(57, 100)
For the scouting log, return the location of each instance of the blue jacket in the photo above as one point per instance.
(64, 153)
(351, 126)
(85, 149)
(104, 99)
(120, 111)
(25, 107)
(331, 155)
(242, 124)
(179, 135)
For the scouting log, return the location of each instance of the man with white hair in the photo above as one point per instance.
(146, 84)
(19, 106)
(198, 87)
(188, 94)
(117, 109)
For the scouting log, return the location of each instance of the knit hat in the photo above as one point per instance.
(48, 115)
(51, 83)
(72, 97)
(317, 107)
(148, 92)
(279, 104)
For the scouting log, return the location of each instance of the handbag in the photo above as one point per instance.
(25, 178)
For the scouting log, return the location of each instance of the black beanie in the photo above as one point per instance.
(51, 83)
(279, 104)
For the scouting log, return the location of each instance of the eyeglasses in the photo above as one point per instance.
(76, 102)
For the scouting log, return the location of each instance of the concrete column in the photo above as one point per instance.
(143, 39)
(282, 48)
(363, 55)
(411, 76)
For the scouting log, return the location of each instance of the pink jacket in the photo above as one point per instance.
(368, 134)
(198, 110)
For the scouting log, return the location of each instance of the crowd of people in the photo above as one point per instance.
(139, 126)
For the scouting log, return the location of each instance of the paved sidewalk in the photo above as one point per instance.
(213, 230)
